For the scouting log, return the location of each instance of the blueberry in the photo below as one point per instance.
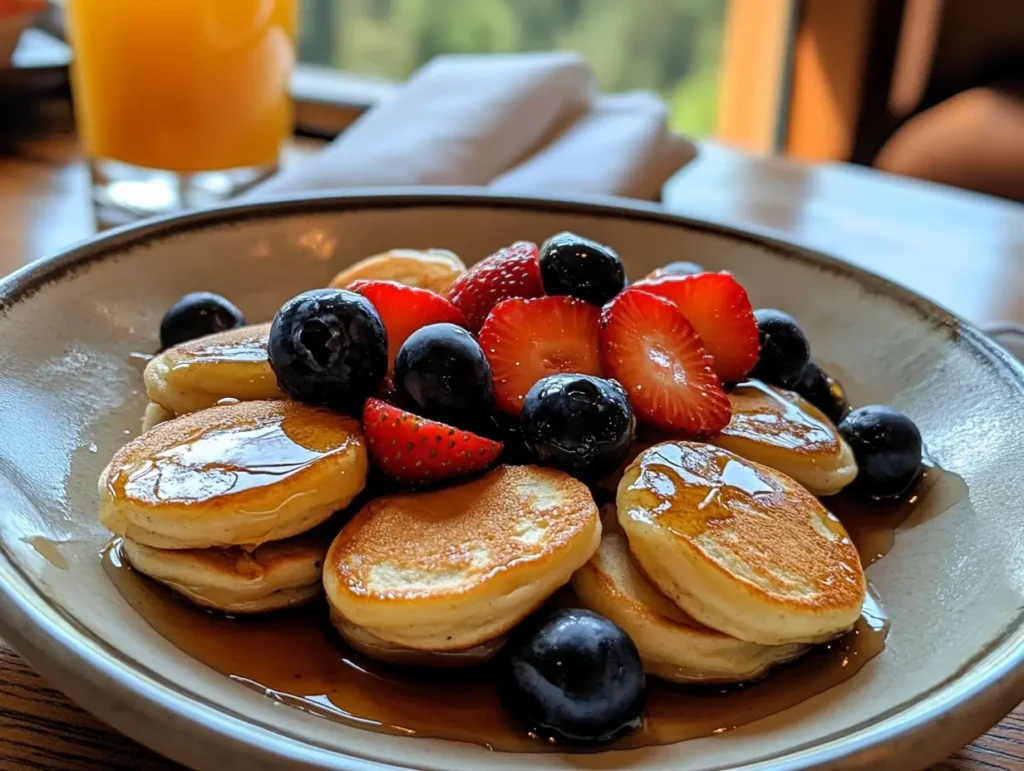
(196, 315)
(823, 391)
(887, 446)
(441, 373)
(580, 424)
(576, 266)
(574, 676)
(678, 269)
(506, 429)
(329, 346)
(784, 348)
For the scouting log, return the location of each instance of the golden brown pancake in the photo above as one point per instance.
(154, 416)
(235, 475)
(738, 546)
(672, 645)
(201, 372)
(454, 568)
(276, 575)
(433, 269)
(786, 432)
(370, 645)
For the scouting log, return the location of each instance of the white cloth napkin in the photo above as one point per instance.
(519, 122)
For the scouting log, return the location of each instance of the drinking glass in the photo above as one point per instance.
(180, 103)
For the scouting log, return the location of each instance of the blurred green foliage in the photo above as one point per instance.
(672, 47)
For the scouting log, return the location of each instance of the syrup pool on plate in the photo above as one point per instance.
(873, 527)
(296, 657)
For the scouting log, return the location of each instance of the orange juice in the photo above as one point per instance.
(183, 85)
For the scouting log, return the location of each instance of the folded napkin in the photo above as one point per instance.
(518, 122)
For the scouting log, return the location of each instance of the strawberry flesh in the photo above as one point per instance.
(718, 308)
(405, 309)
(416, 451)
(510, 272)
(526, 340)
(656, 354)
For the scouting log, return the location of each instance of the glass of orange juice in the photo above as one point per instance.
(180, 103)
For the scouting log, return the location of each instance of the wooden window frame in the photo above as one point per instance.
(810, 79)
(756, 71)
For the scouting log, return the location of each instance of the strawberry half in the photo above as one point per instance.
(414, 450)
(404, 309)
(719, 309)
(510, 272)
(649, 347)
(526, 340)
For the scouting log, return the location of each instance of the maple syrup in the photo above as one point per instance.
(198, 373)
(246, 345)
(230, 452)
(719, 504)
(296, 657)
(783, 419)
(873, 526)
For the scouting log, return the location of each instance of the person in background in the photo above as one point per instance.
(958, 92)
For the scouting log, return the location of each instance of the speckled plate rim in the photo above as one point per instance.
(917, 733)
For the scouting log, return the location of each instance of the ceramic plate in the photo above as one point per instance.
(71, 394)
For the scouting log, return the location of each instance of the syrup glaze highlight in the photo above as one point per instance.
(225, 457)
(782, 418)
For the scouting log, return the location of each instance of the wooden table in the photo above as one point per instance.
(963, 250)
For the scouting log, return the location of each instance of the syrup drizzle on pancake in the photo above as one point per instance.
(722, 504)
(222, 458)
(248, 344)
(766, 415)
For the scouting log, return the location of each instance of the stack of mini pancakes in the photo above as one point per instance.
(219, 504)
(719, 567)
(718, 560)
(226, 496)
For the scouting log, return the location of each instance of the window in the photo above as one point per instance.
(672, 47)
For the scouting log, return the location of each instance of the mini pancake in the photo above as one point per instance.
(433, 269)
(276, 575)
(236, 475)
(370, 645)
(453, 568)
(154, 416)
(738, 546)
(198, 374)
(672, 645)
(784, 431)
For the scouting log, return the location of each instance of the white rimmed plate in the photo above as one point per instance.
(69, 392)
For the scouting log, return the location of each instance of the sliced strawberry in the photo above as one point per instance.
(649, 347)
(526, 340)
(719, 309)
(414, 450)
(404, 309)
(510, 272)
